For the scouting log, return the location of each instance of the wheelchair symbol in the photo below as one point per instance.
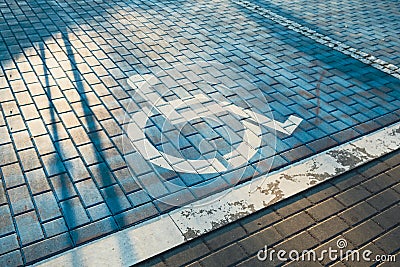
(237, 157)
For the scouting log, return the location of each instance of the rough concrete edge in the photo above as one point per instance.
(355, 53)
(195, 220)
(206, 215)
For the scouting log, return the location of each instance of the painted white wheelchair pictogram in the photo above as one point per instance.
(247, 148)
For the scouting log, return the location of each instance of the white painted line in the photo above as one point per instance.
(153, 237)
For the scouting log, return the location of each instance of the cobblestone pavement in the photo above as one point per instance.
(361, 207)
(64, 96)
(372, 26)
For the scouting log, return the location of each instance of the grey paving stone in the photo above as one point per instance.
(36, 127)
(13, 258)
(115, 199)
(101, 112)
(6, 223)
(384, 199)
(63, 186)
(153, 185)
(139, 197)
(53, 164)
(28, 227)
(358, 213)
(226, 236)
(88, 192)
(22, 140)
(90, 124)
(122, 144)
(126, 180)
(298, 242)
(4, 136)
(49, 116)
(389, 242)
(227, 256)
(100, 140)
(371, 247)
(186, 254)
(30, 112)
(254, 261)
(74, 213)
(266, 237)
(348, 180)
(325, 209)
(8, 243)
(93, 230)
(111, 127)
(363, 232)
(141, 166)
(79, 136)
(322, 144)
(55, 227)
(388, 218)
(207, 188)
(47, 247)
(379, 183)
(333, 245)
(174, 200)
(3, 198)
(353, 196)
(16, 123)
(10, 108)
(61, 105)
(29, 159)
(113, 159)
(37, 181)
(391, 159)
(254, 223)
(20, 199)
(321, 192)
(76, 169)
(291, 206)
(23, 98)
(378, 167)
(66, 149)
(99, 211)
(70, 120)
(133, 216)
(328, 229)
(6, 94)
(294, 224)
(12, 175)
(57, 131)
(47, 206)
(156, 262)
(7, 155)
(102, 175)
(89, 154)
(394, 173)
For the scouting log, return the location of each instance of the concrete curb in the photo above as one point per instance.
(153, 237)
